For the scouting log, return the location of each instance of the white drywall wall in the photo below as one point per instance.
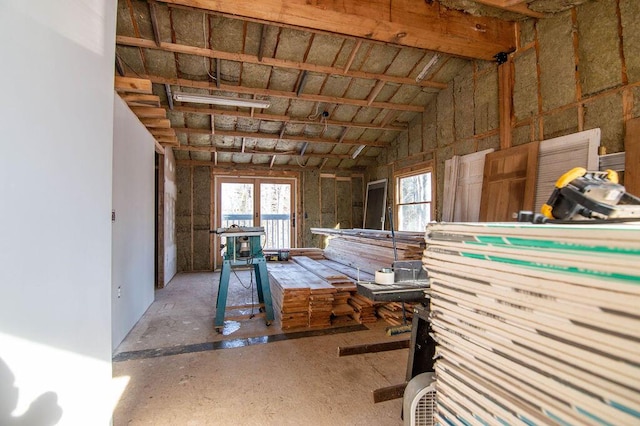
(170, 195)
(133, 228)
(56, 118)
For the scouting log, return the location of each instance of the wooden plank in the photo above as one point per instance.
(131, 84)
(156, 122)
(372, 347)
(229, 88)
(388, 393)
(422, 25)
(270, 136)
(287, 118)
(274, 62)
(505, 98)
(149, 112)
(632, 156)
(140, 99)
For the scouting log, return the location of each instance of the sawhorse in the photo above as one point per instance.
(262, 284)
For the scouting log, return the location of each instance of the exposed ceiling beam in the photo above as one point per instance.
(274, 62)
(242, 167)
(516, 6)
(352, 56)
(283, 94)
(258, 152)
(420, 24)
(286, 118)
(284, 138)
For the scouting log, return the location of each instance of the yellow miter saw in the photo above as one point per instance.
(581, 194)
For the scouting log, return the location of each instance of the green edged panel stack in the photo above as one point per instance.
(536, 324)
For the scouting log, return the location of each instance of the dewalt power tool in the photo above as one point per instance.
(581, 194)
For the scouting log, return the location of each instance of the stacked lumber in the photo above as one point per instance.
(536, 324)
(349, 271)
(392, 313)
(311, 252)
(370, 250)
(290, 296)
(333, 277)
(364, 309)
(320, 304)
(344, 285)
(300, 299)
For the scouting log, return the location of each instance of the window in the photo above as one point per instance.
(413, 200)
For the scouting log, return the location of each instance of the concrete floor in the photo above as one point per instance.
(297, 381)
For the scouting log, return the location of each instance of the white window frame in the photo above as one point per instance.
(410, 172)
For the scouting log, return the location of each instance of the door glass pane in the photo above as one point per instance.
(414, 217)
(236, 204)
(275, 214)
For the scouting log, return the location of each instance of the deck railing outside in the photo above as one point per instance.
(276, 226)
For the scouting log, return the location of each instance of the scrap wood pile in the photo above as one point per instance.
(370, 250)
(364, 309)
(536, 323)
(393, 314)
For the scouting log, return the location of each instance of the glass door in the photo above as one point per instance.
(265, 202)
(236, 204)
(275, 214)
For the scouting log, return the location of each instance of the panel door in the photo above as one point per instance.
(509, 183)
(469, 187)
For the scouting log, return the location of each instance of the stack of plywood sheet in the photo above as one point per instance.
(536, 324)
(370, 250)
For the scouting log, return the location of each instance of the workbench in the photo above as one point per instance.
(405, 291)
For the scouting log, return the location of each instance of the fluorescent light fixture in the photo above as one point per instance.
(220, 100)
(358, 151)
(304, 148)
(427, 67)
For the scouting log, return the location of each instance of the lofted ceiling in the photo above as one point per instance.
(343, 78)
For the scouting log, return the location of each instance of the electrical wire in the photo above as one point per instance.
(204, 36)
